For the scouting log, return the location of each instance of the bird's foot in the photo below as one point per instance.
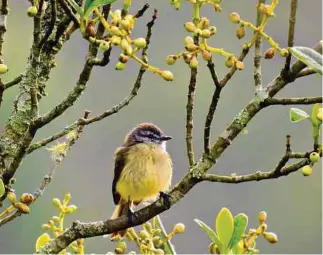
(166, 199)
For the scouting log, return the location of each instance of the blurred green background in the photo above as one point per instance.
(293, 203)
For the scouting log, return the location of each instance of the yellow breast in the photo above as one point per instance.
(147, 171)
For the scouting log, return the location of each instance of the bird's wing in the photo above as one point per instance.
(118, 167)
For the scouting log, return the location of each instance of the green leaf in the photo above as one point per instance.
(90, 5)
(2, 188)
(211, 234)
(41, 241)
(296, 115)
(309, 57)
(168, 247)
(224, 226)
(240, 225)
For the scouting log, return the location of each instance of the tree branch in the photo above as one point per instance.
(48, 177)
(306, 71)
(189, 117)
(257, 58)
(291, 31)
(289, 101)
(212, 107)
(114, 109)
(257, 176)
(196, 174)
(14, 82)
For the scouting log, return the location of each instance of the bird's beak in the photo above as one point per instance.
(166, 138)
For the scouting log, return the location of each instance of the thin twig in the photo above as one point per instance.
(48, 177)
(305, 72)
(212, 107)
(232, 71)
(289, 101)
(291, 31)
(15, 81)
(4, 10)
(69, 12)
(113, 110)
(142, 11)
(99, 228)
(257, 176)
(51, 25)
(189, 117)
(257, 58)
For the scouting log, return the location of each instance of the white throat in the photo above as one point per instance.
(163, 145)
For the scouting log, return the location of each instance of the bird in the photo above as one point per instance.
(142, 170)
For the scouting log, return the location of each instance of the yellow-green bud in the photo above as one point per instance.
(229, 62)
(234, 17)
(270, 237)
(190, 27)
(156, 240)
(140, 42)
(118, 251)
(213, 30)
(57, 203)
(3, 69)
(314, 157)
(167, 75)
(45, 226)
(115, 31)
(158, 251)
(188, 40)
(120, 66)
(206, 33)
(115, 40)
(26, 198)
(262, 216)
(241, 32)
(122, 245)
(284, 53)
(307, 170)
(55, 218)
(32, 11)
(239, 65)
(143, 234)
(198, 32)
(319, 115)
(213, 248)
(126, 46)
(104, 45)
(270, 53)
(217, 8)
(171, 59)
(261, 229)
(11, 196)
(148, 227)
(204, 23)
(191, 47)
(194, 63)
(125, 23)
(206, 55)
(71, 209)
(22, 207)
(179, 228)
(156, 232)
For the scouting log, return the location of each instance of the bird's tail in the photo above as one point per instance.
(120, 209)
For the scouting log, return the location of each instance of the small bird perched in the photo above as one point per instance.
(143, 169)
